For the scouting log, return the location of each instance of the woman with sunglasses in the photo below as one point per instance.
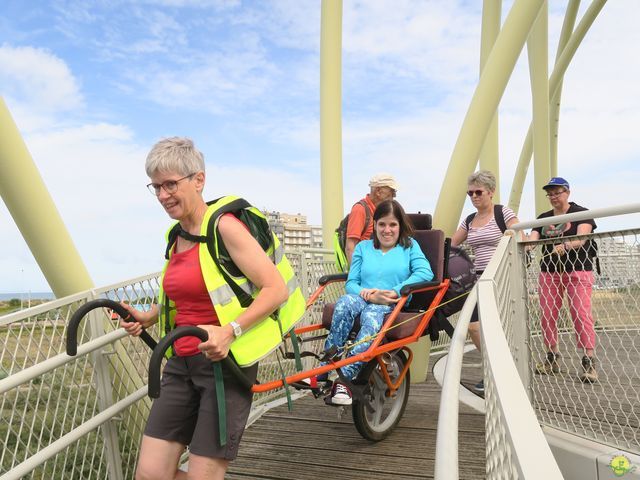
(186, 413)
(482, 233)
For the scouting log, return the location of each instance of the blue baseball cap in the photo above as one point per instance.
(557, 182)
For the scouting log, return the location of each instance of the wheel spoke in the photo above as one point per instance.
(377, 415)
(378, 380)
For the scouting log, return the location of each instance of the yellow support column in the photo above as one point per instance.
(483, 105)
(32, 208)
(37, 218)
(537, 49)
(489, 155)
(554, 105)
(559, 69)
(331, 118)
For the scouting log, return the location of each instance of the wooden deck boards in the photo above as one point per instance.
(312, 442)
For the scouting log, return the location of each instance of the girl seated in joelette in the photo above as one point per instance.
(380, 267)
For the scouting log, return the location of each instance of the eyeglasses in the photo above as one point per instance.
(170, 186)
(555, 194)
(477, 193)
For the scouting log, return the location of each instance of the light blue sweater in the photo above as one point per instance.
(371, 268)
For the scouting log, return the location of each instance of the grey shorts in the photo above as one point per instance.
(187, 411)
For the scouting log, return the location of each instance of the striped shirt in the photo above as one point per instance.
(484, 240)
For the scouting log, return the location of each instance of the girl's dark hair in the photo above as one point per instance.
(406, 226)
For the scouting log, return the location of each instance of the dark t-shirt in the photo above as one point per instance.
(579, 259)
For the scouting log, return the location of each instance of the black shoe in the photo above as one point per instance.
(479, 387)
(588, 374)
(550, 366)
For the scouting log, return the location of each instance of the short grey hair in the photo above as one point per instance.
(484, 178)
(174, 154)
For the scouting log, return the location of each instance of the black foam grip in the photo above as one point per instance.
(163, 345)
(80, 313)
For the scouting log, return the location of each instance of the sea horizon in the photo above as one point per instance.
(27, 295)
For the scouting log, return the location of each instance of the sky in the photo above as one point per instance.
(92, 85)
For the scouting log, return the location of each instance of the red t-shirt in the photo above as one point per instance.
(184, 284)
(356, 227)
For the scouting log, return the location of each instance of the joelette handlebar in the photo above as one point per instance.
(74, 323)
(163, 345)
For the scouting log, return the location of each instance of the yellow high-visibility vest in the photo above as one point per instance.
(263, 337)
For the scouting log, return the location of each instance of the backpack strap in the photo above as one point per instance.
(177, 231)
(469, 219)
(243, 297)
(498, 214)
(367, 215)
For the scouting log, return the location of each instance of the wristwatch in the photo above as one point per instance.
(237, 329)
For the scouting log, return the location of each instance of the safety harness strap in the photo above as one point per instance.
(286, 386)
(222, 408)
(296, 350)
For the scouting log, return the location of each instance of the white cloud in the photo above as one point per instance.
(214, 84)
(39, 78)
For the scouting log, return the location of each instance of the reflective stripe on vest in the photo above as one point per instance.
(264, 336)
(224, 294)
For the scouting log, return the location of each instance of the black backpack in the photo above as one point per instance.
(497, 214)
(462, 278)
(257, 226)
(340, 236)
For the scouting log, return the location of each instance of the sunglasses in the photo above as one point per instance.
(477, 193)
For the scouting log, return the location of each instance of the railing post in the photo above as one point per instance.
(304, 275)
(104, 391)
(520, 313)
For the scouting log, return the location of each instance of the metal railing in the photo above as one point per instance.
(515, 445)
(83, 416)
(600, 309)
(520, 394)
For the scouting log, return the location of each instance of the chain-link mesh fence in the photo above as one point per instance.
(584, 318)
(49, 405)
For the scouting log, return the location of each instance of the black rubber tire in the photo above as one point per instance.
(377, 416)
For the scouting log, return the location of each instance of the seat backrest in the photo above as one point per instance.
(421, 221)
(432, 244)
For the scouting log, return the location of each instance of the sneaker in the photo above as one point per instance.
(588, 374)
(340, 394)
(550, 365)
(479, 387)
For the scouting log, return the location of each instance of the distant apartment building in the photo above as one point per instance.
(619, 263)
(293, 231)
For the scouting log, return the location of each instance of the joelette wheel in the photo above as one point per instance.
(377, 414)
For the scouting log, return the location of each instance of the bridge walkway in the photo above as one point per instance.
(311, 442)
